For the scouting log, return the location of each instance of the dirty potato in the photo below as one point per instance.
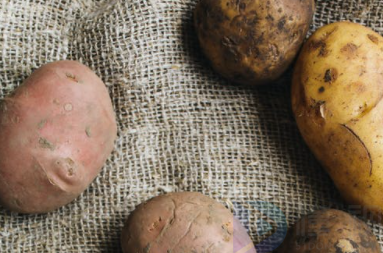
(184, 222)
(56, 131)
(337, 101)
(329, 231)
(252, 41)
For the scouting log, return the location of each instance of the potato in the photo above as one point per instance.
(184, 222)
(329, 231)
(56, 131)
(337, 96)
(252, 41)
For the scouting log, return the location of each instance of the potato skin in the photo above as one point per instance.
(337, 96)
(184, 222)
(252, 41)
(56, 131)
(331, 231)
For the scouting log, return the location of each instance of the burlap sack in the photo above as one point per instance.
(181, 126)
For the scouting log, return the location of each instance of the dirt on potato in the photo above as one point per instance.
(252, 41)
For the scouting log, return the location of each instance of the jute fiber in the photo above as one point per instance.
(181, 126)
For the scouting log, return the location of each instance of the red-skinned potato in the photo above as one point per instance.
(184, 222)
(56, 131)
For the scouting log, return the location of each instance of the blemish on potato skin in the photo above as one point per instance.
(230, 41)
(309, 237)
(232, 51)
(44, 143)
(41, 124)
(321, 43)
(331, 75)
(363, 144)
(325, 230)
(281, 23)
(317, 111)
(321, 89)
(349, 49)
(17, 202)
(15, 119)
(147, 248)
(242, 7)
(323, 52)
(3, 106)
(269, 18)
(274, 51)
(69, 161)
(314, 45)
(72, 77)
(68, 107)
(322, 109)
(70, 172)
(373, 38)
(88, 132)
(346, 246)
(154, 225)
(227, 236)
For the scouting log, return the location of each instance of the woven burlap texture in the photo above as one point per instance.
(181, 126)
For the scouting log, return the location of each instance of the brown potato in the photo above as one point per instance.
(252, 41)
(329, 231)
(337, 102)
(56, 132)
(184, 222)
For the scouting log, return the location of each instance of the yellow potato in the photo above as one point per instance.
(337, 101)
